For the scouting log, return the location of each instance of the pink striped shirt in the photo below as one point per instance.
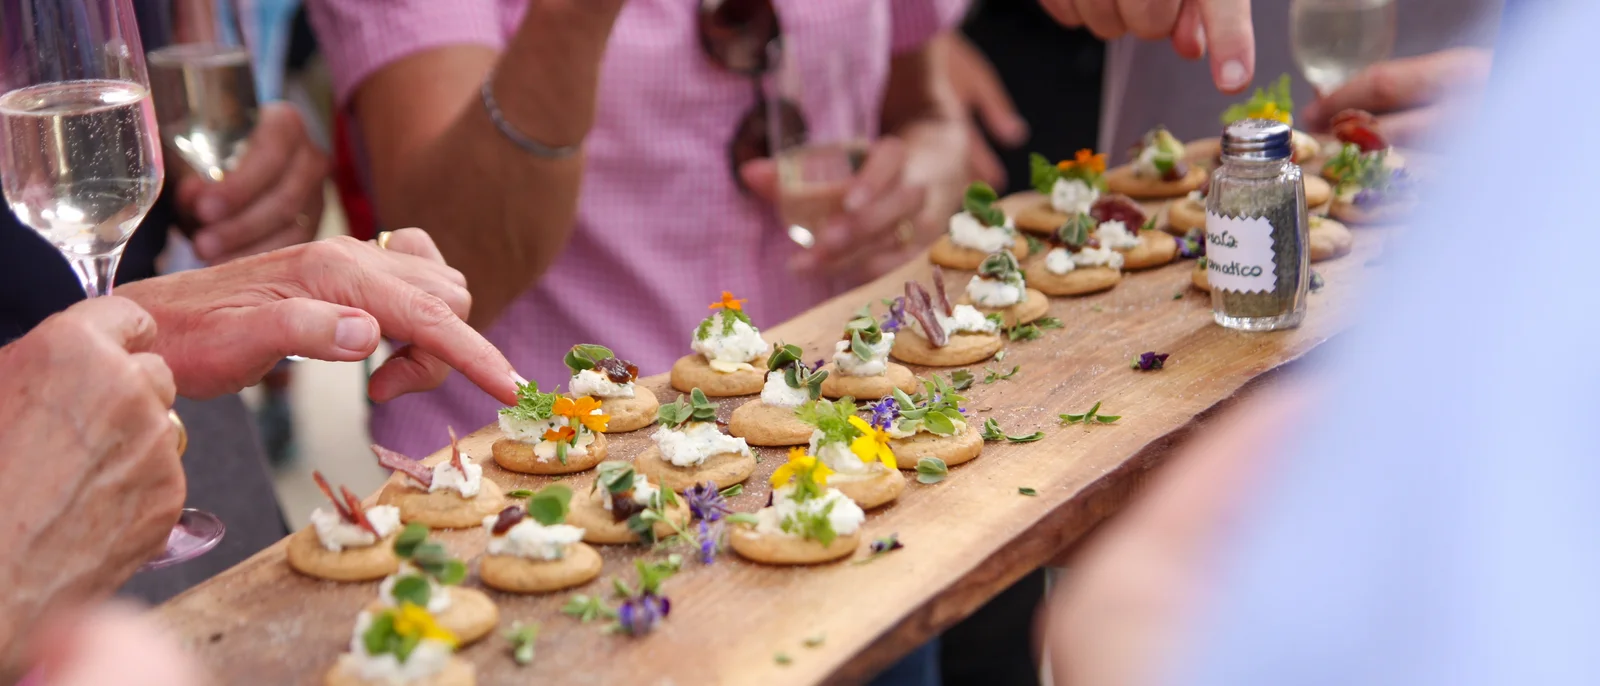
(661, 228)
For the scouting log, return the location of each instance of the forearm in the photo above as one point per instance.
(498, 213)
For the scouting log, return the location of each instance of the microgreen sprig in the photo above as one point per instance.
(698, 408)
(1033, 330)
(522, 638)
(993, 432)
(1093, 416)
(931, 470)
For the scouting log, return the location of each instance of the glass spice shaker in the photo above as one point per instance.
(1257, 234)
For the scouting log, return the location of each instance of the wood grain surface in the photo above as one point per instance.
(966, 538)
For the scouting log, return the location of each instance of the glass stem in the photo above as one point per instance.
(96, 272)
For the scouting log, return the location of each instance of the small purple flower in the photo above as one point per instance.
(710, 540)
(1192, 244)
(640, 614)
(705, 502)
(896, 317)
(886, 544)
(1150, 361)
(1368, 196)
(884, 412)
(815, 366)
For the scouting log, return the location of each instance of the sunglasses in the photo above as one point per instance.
(744, 37)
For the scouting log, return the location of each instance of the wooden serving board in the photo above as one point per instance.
(966, 539)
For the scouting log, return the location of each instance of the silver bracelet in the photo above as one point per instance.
(528, 145)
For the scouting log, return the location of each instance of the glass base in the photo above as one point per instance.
(1287, 320)
(801, 236)
(195, 534)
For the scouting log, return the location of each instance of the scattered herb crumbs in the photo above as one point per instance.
(814, 641)
(520, 494)
(961, 379)
(782, 658)
(1097, 308)
(1093, 416)
(1178, 295)
(1024, 490)
(522, 638)
(993, 432)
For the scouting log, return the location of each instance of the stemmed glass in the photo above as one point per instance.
(1333, 40)
(819, 127)
(201, 81)
(81, 164)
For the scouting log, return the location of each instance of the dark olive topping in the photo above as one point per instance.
(508, 518)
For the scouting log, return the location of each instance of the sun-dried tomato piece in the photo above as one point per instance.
(338, 505)
(623, 506)
(618, 371)
(507, 519)
(1119, 208)
(390, 459)
(1177, 172)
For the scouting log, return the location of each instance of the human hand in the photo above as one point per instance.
(112, 644)
(1121, 616)
(1412, 96)
(273, 199)
(979, 89)
(92, 481)
(223, 327)
(1193, 26)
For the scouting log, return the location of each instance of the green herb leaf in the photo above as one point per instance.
(651, 574)
(783, 356)
(1025, 438)
(731, 491)
(519, 494)
(782, 659)
(1107, 419)
(1042, 173)
(859, 347)
(586, 356)
(1073, 418)
(1277, 93)
(832, 418)
(996, 375)
(522, 638)
(532, 405)
(1035, 246)
(1316, 281)
(814, 641)
(938, 423)
(1077, 230)
(1091, 417)
(991, 430)
(1024, 490)
(549, 505)
(1023, 332)
(412, 588)
(960, 379)
(1178, 295)
(741, 518)
(588, 609)
(412, 536)
(931, 470)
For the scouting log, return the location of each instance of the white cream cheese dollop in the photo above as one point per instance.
(447, 478)
(427, 659)
(845, 518)
(1073, 196)
(438, 596)
(966, 231)
(777, 392)
(596, 383)
(695, 442)
(876, 364)
(995, 292)
(733, 352)
(1062, 261)
(837, 456)
(532, 540)
(337, 534)
(527, 430)
(1114, 234)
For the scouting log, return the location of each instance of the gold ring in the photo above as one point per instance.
(183, 434)
(383, 239)
(905, 232)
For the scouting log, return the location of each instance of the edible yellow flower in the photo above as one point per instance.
(411, 620)
(801, 464)
(1269, 110)
(873, 444)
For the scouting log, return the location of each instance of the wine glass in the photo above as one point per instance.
(1333, 40)
(81, 164)
(819, 126)
(201, 82)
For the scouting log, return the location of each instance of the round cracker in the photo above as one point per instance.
(839, 385)
(444, 509)
(788, 549)
(1330, 239)
(1203, 152)
(723, 469)
(630, 414)
(1041, 218)
(471, 615)
(1318, 191)
(946, 253)
(521, 575)
(876, 491)
(1156, 249)
(953, 450)
(1200, 278)
(307, 556)
(692, 371)
(1186, 214)
(963, 349)
(518, 457)
(761, 424)
(1123, 180)
(1383, 213)
(1034, 306)
(456, 672)
(1080, 281)
(589, 513)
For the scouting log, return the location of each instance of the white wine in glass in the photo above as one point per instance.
(812, 182)
(818, 130)
(82, 163)
(205, 100)
(1333, 40)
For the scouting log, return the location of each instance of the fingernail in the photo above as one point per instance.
(1200, 39)
(206, 246)
(210, 209)
(517, 379)
(1233, 74)
(355, 334)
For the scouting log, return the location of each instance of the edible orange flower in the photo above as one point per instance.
(729, 303)
(560, 434)
(583, 410)
(1086, 159)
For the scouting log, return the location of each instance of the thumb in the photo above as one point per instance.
(761, 177)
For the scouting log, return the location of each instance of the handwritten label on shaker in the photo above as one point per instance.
(1239, 254)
